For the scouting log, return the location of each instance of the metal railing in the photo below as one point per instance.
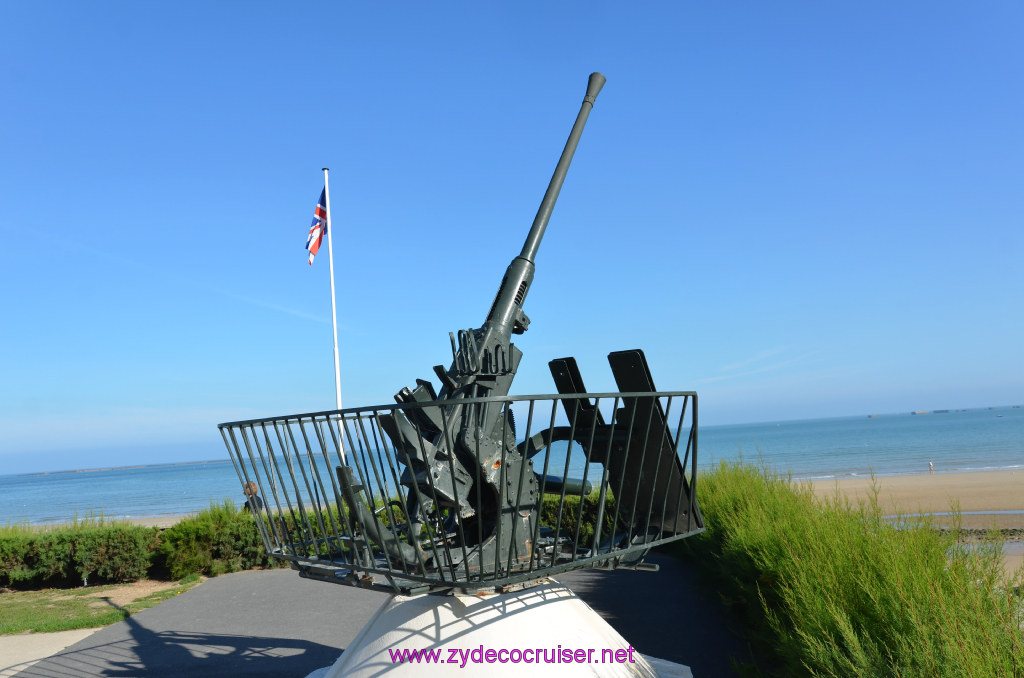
(587, 480)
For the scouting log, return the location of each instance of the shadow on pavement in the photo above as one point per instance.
(187, 654)
(274, 623)
(263, 623)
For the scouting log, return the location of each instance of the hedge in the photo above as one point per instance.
(112, 553)
(217, 540)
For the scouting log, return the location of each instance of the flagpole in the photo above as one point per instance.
(334, 311)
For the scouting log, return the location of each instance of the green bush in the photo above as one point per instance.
(121, 554)
(111, 553)
(16, 558)
(218, 540)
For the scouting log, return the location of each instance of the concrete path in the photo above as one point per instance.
(274, 623)
(22, 650)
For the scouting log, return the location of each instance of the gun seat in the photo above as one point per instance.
(648, 479)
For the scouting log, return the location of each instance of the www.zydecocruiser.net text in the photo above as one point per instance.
(462, 657)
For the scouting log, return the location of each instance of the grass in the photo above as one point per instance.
(90, 519)
(835, 589)
(66, 609)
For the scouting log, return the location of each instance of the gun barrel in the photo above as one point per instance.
(540, 222)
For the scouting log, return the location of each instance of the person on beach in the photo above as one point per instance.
(931, 466)
(253, 501)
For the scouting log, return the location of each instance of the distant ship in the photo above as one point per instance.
(921, 412)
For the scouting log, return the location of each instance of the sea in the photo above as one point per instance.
(951, 441)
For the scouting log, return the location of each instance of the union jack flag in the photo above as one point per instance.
(318, 228)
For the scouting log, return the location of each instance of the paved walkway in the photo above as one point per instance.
(18, 652)
(274, 623)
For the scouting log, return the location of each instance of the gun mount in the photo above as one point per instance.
(444, 490)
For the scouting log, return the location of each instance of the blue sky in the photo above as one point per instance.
(797, 209)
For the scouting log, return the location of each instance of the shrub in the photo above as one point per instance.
(218, 540)
(113, 553)
(16, 556)
(121, 554)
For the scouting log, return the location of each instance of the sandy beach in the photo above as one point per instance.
(938, 492)
(976, 495)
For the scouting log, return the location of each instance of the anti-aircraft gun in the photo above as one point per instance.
(441, 473)
(441, 489)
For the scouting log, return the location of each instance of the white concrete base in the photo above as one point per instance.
(545, 629)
